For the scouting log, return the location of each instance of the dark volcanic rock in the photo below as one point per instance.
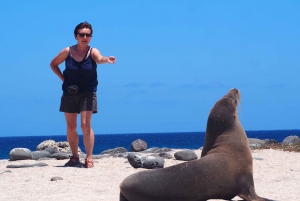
(138, 145)
(152, 162)
(135, 160)
(185, 155)
(148, 162)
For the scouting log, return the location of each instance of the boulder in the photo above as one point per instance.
(20, 154)
(185, 155)
(63, 144)
(256, 141)
(45, 144)
(135, 160)
(55, 147)
(290, 140)
(138, 145)
(148, 162)
(152, 162)
(36, 155)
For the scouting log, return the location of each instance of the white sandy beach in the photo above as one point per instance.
(276, 176)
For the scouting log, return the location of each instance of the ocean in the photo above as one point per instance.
(182, 140)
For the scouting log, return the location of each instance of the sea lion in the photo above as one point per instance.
(224, 170)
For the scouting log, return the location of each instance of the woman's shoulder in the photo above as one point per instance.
(94, 50)
(66, 50)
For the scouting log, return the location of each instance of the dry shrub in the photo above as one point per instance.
(282, 146)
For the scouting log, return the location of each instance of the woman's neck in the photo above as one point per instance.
(81, 48)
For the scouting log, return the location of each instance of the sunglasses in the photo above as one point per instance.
(81, 35)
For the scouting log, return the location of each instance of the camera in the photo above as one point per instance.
(72, 89)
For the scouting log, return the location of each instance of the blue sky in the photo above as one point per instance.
(175, 59)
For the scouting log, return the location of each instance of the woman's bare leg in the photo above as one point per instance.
(71, 119)
(88, 133)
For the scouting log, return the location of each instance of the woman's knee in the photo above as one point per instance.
(71, 127)
(86, 126)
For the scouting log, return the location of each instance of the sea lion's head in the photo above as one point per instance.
(224, 113)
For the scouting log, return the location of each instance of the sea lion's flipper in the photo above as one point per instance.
(122, 198)
(253, 198)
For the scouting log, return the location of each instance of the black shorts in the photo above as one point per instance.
(79, 102)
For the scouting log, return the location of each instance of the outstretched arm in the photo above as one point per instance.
(98, 58)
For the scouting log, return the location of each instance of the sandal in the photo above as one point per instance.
(89, 163)
(73, 161)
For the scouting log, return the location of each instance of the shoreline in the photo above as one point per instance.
(276, 176)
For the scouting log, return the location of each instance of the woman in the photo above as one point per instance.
(81, 64)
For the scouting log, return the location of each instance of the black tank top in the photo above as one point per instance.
(87, 79)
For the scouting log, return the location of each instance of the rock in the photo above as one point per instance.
(45, 144)
(27, 165)
(56, 178)
(185, 155)
(20, 154)
(152, 162)
(269, 142)
(55, 146)
(256, 141)
(123, 155)
(148, 162)
(135, 160)
(63, 144)
(165, 155)
(36, 155)
(138, 145)
(156, 150)
(255, 146)
(51, 150)
(115, 151)
(61, 155)
(290, 140)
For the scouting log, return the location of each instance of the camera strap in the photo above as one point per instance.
(80, 64)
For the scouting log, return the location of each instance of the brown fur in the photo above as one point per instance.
(223, 171)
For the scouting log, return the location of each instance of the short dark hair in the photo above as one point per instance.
(81, 26)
